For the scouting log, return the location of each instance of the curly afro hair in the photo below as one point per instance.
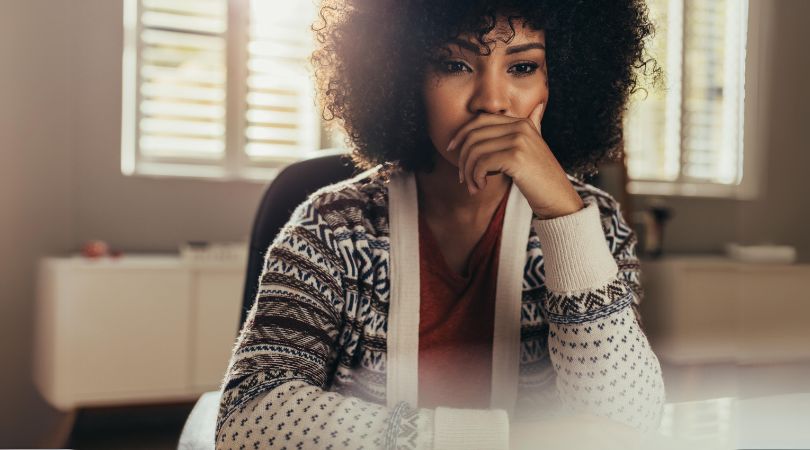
(371, 59)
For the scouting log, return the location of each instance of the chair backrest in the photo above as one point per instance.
(288, 190)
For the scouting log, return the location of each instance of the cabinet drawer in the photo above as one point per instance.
(139, 329)
(124, 333)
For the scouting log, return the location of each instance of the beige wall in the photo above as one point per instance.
(135, 213)
(36, 190)
(60, 178)
(60, 183)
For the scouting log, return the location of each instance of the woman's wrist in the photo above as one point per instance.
(575, 252)
(565, 201)
(570, 206)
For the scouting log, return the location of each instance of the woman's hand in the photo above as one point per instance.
(492, 143)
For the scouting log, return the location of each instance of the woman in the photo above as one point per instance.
(463, 288)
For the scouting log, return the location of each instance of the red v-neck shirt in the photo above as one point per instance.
(456, 320)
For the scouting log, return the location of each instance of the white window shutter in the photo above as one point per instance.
(181, 109)
(281, 123)
(690, 134)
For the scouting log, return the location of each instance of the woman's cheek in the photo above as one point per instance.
(439, 116)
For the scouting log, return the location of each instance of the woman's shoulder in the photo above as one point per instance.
(359, 200)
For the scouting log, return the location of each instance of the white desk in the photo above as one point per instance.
(133, 330)
(768, 422)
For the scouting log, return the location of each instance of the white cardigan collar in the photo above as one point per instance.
(403, 313)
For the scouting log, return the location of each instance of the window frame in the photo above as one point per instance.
(236, 165)
(753, 77)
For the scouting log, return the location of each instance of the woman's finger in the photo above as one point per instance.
(483, 134)
(481, 148)
(497, 162)
(479, 121)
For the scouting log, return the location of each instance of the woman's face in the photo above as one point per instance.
(511, 80)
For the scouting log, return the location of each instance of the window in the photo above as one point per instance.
(687, 139)
(217, 88)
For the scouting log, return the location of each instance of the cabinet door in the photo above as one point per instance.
(694, 309)
(126, 333)
(775, 314)
(706, 310)
(218, 301)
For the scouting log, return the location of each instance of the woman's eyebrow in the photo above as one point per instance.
(509, 50)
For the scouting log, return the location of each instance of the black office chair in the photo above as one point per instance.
(289, 189)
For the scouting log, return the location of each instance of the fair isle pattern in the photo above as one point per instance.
(297, 415)
(620, 238)
(310, 360)
(608, 370)
(588, 305)
(415, 429)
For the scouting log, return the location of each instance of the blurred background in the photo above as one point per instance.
(138, 136)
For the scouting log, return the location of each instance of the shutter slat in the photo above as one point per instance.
(176, 57)
(199, 7)
(165, 146)
(167, 108)
(273, 100)
(274, 117)
(183, 91)
(181, 22)
(259, 49)
(182, 127)
(187, 74)
(182, 40)
(257, 133)
(278, 150)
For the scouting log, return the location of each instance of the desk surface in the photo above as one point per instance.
(776, 421)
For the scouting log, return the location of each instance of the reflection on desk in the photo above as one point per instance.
(777, 421)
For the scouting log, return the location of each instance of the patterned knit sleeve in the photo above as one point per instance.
(275, 391)
(603, 361)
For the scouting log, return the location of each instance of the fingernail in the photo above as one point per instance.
(460, 179)
(450, 145)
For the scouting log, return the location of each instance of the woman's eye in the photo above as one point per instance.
(524, 69)
(453, 66)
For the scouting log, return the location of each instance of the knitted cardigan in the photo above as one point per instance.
(327, 357)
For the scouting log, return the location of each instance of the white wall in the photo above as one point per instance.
(60, 183)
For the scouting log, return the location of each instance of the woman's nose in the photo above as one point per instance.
(490, 96)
